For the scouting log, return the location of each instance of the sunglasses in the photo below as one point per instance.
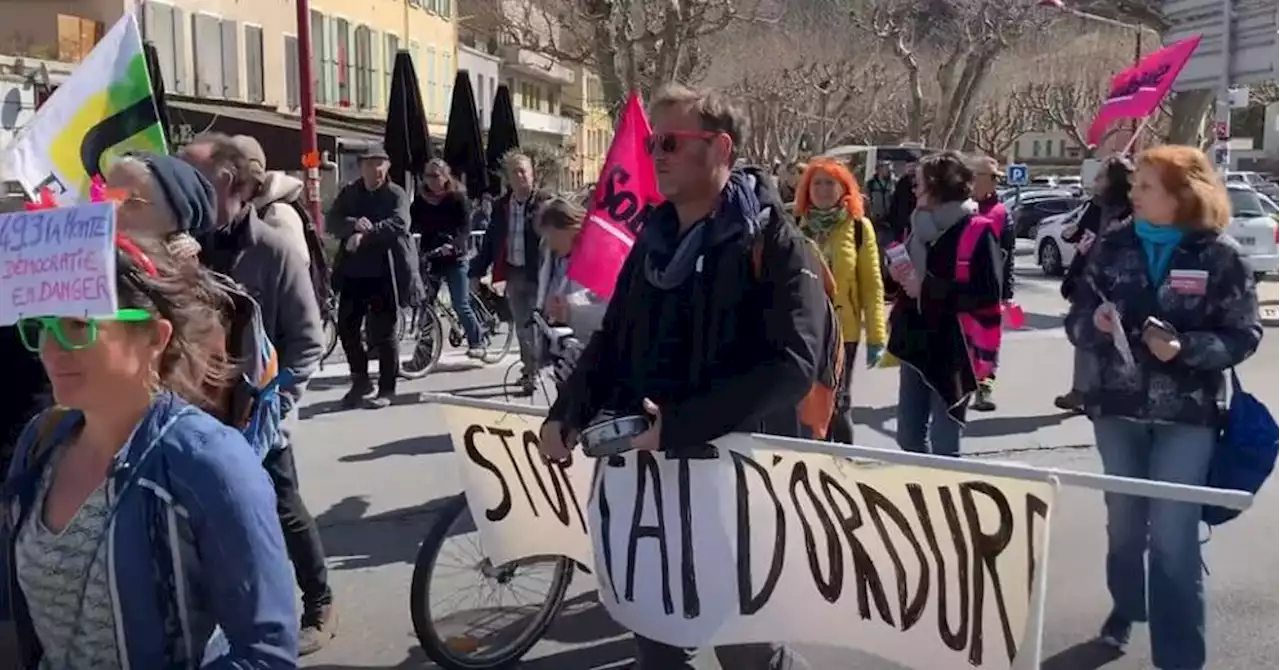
(671, 141)
(71, 334)
(433, 175)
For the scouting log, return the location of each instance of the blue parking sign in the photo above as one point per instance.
(1018, 175)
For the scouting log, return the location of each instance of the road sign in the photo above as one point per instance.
(1018, 175)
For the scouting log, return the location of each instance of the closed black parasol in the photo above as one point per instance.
(463, 150)
(407, 139)
(157, 91)
(503, 134)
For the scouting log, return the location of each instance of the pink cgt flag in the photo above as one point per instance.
(626, 189)
(1137, 91)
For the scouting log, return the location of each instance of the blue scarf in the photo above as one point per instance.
(671, 257)
(1158, 243)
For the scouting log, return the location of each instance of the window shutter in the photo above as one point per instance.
(230, 59)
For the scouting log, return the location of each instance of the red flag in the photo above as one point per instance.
(1137, 91)
(626, 188)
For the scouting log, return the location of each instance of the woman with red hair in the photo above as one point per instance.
(829, 209)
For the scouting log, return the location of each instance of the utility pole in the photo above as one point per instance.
(307, 130)
(1222, 110)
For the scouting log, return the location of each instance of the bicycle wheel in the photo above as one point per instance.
(512, 392)
(428, 344)
(495, 330)
(481, 637)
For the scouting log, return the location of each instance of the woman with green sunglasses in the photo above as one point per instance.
(142, 522)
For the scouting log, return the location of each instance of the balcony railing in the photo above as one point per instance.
(541, 122)
(535, 64)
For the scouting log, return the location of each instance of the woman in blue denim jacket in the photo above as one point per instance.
(1178, 291)
(135, 523)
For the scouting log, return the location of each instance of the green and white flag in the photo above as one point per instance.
(105, 109)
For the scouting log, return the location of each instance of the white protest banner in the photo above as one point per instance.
(106, 108)
(927, 567)
(522, 506)
(58, 262)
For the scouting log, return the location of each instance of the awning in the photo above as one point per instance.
(278, 133)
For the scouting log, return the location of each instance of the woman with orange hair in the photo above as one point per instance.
(829, 209)
(1177, 288)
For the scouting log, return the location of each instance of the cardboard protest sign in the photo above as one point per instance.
(106, 108)
(58, 262)
(927, 567)
(521, 505)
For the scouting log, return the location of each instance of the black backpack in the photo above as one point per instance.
(320, 271)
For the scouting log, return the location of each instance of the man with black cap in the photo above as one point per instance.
(252, 253)
(373, 274)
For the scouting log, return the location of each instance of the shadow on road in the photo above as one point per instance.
(354, 541)
(481, 392)
(333, 406)
(410, 446)
(328, 383)
(1037, 321)
(416, 661)
(1089, 655)
(997, 426)
(877, 419)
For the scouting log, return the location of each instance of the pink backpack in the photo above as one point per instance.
(981, 329)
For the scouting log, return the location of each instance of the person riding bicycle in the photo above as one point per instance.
(441, 216)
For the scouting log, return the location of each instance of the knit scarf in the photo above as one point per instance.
(927, 225)
(818, 224)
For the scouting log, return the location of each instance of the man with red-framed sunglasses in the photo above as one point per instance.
(719, 321)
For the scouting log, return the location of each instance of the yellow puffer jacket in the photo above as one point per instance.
(859, 287)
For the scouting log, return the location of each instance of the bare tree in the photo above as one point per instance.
(1264, 94)
(632, 44)
(1074, 80)
(948, 48)
(999, 122)
(813, 105)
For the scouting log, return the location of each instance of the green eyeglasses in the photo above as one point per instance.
(70, 333)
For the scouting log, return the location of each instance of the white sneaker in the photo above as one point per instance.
(475, 352)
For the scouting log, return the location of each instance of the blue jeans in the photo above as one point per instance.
(455, 277)
(924, 426)
(1168, 587)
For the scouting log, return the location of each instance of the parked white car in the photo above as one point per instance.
(1052, 253)
(1254, 226)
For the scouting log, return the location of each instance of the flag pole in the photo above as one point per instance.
(1128, 147)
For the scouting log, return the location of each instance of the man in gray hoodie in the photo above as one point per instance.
(249, 251)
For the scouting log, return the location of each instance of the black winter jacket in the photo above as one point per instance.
(441, 223)
(758, 343)
(1218, 328)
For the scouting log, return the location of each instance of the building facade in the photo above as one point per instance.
(238, 58)
(480, 59)
(584, 102)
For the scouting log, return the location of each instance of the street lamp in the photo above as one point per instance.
(1137, 29)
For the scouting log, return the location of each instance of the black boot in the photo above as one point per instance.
(360, 389)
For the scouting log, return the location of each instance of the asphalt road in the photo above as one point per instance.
(373, 479)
